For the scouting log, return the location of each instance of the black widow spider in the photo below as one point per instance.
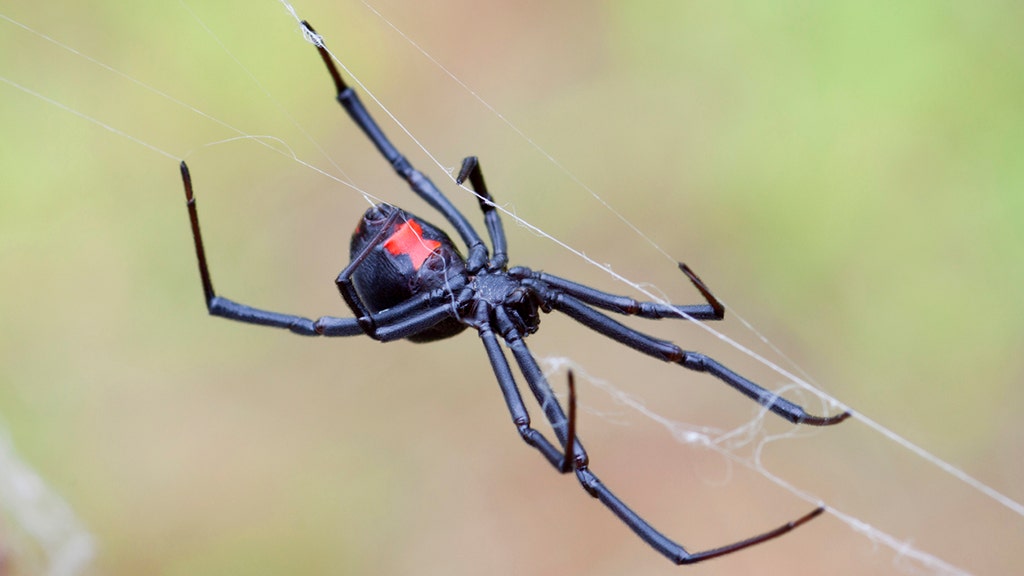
(406, 279)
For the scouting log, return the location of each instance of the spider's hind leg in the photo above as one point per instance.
(417, 181)
(226, 308)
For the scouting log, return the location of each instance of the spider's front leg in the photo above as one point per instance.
(574, 457)
(572, 299)
(713, 310)
(560, 460)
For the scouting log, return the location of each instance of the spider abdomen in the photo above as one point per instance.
(414, 257)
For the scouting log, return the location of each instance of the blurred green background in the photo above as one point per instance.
(847, 177)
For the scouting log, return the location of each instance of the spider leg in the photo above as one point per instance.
(713, 310)
(495, 230)
(666, 546)
(514, 401)
(423, 311)
(565, 430)
(344, 280)
(416, 180)
(696, 361)
(226, 308)
(536, 380)
(570, 443)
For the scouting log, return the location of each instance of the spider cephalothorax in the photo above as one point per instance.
(407, 280)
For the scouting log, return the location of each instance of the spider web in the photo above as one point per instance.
(753, 436)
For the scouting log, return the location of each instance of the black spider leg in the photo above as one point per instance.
(400, 321)
(713, 310)
(417, 181)
(513, 400)
(568, 463)
(669, 352)
(565, 431)
(495, 229)
(344, 280)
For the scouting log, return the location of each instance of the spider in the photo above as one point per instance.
(407, 280)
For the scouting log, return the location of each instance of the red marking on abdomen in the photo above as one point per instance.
(409, 240)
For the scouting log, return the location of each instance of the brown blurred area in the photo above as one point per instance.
(846, 177)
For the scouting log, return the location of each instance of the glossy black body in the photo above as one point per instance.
(422, 289)
(385, 279)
